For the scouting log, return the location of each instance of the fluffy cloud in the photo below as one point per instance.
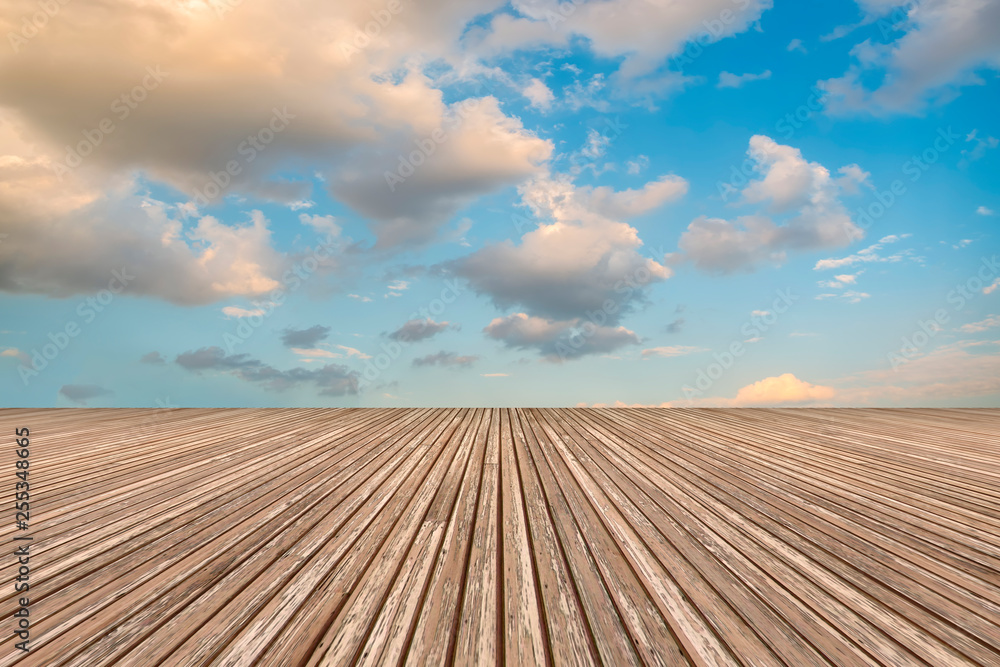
(417, 330)
(413, 184)
(578, 263)
(445, 359)
(538, 94)
(944, 43)
(558, 340)
(785, 389)
(790, 185)
(331, 380)
(642, 34)
(256, 102)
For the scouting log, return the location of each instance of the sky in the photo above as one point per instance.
(385, 203)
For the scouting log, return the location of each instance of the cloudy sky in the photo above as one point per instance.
(599, 202)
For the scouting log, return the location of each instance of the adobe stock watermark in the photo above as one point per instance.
(33, 24)
(87, 310)
(122, 107)
(425, 147)
(759, 323)
(291, 281)
(363, 36)
(580, 160)
(914, 168)
(249, 149)
(958, 297)
(392, 350)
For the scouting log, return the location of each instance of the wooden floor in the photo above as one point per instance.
(583, 536)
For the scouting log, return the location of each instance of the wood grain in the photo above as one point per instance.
(586, 536)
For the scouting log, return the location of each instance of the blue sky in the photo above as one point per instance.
(732, 203)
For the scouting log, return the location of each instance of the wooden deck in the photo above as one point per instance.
(583, 536)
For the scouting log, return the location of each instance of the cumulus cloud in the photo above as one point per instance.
(417, 330)
(578, 259)
(558, 340)
(643, 34)
(944, 43)
(81, 393)
(304, 337)
(785, 389)
(262, 103)
(790, 185)
(445, 359)
(982, 210)
(331, 380)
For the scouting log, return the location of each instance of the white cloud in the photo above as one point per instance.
(982, 210)
(789, 185)
(729, 80)
(865, 255)
(775, 391)
(580, 260)
(538, 94)
(989, 289)
(645, 34)
(979, 148)
(945, 43)
(236, 311)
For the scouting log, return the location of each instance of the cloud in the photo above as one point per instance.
(538, 94)
(865, 255)
(642, 34)
(789, 185)
(944, 43)
(975, 327)
(21, 356)
(578, 262)
(152, 358)
(785, 389)
(495, 375)
(982, 210)
(952, 372)
(675, 326)
(851, 296)
(417, 330)
(989, 289)
(637, 165)
(304, 337)
(236, 311)
(671, 351)
(979, 148)
(729, 80)
(445, 359)
(81, 393)
(558, 340)
(331, 380)
(796, 45)
(414, 184)
(316, 352)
